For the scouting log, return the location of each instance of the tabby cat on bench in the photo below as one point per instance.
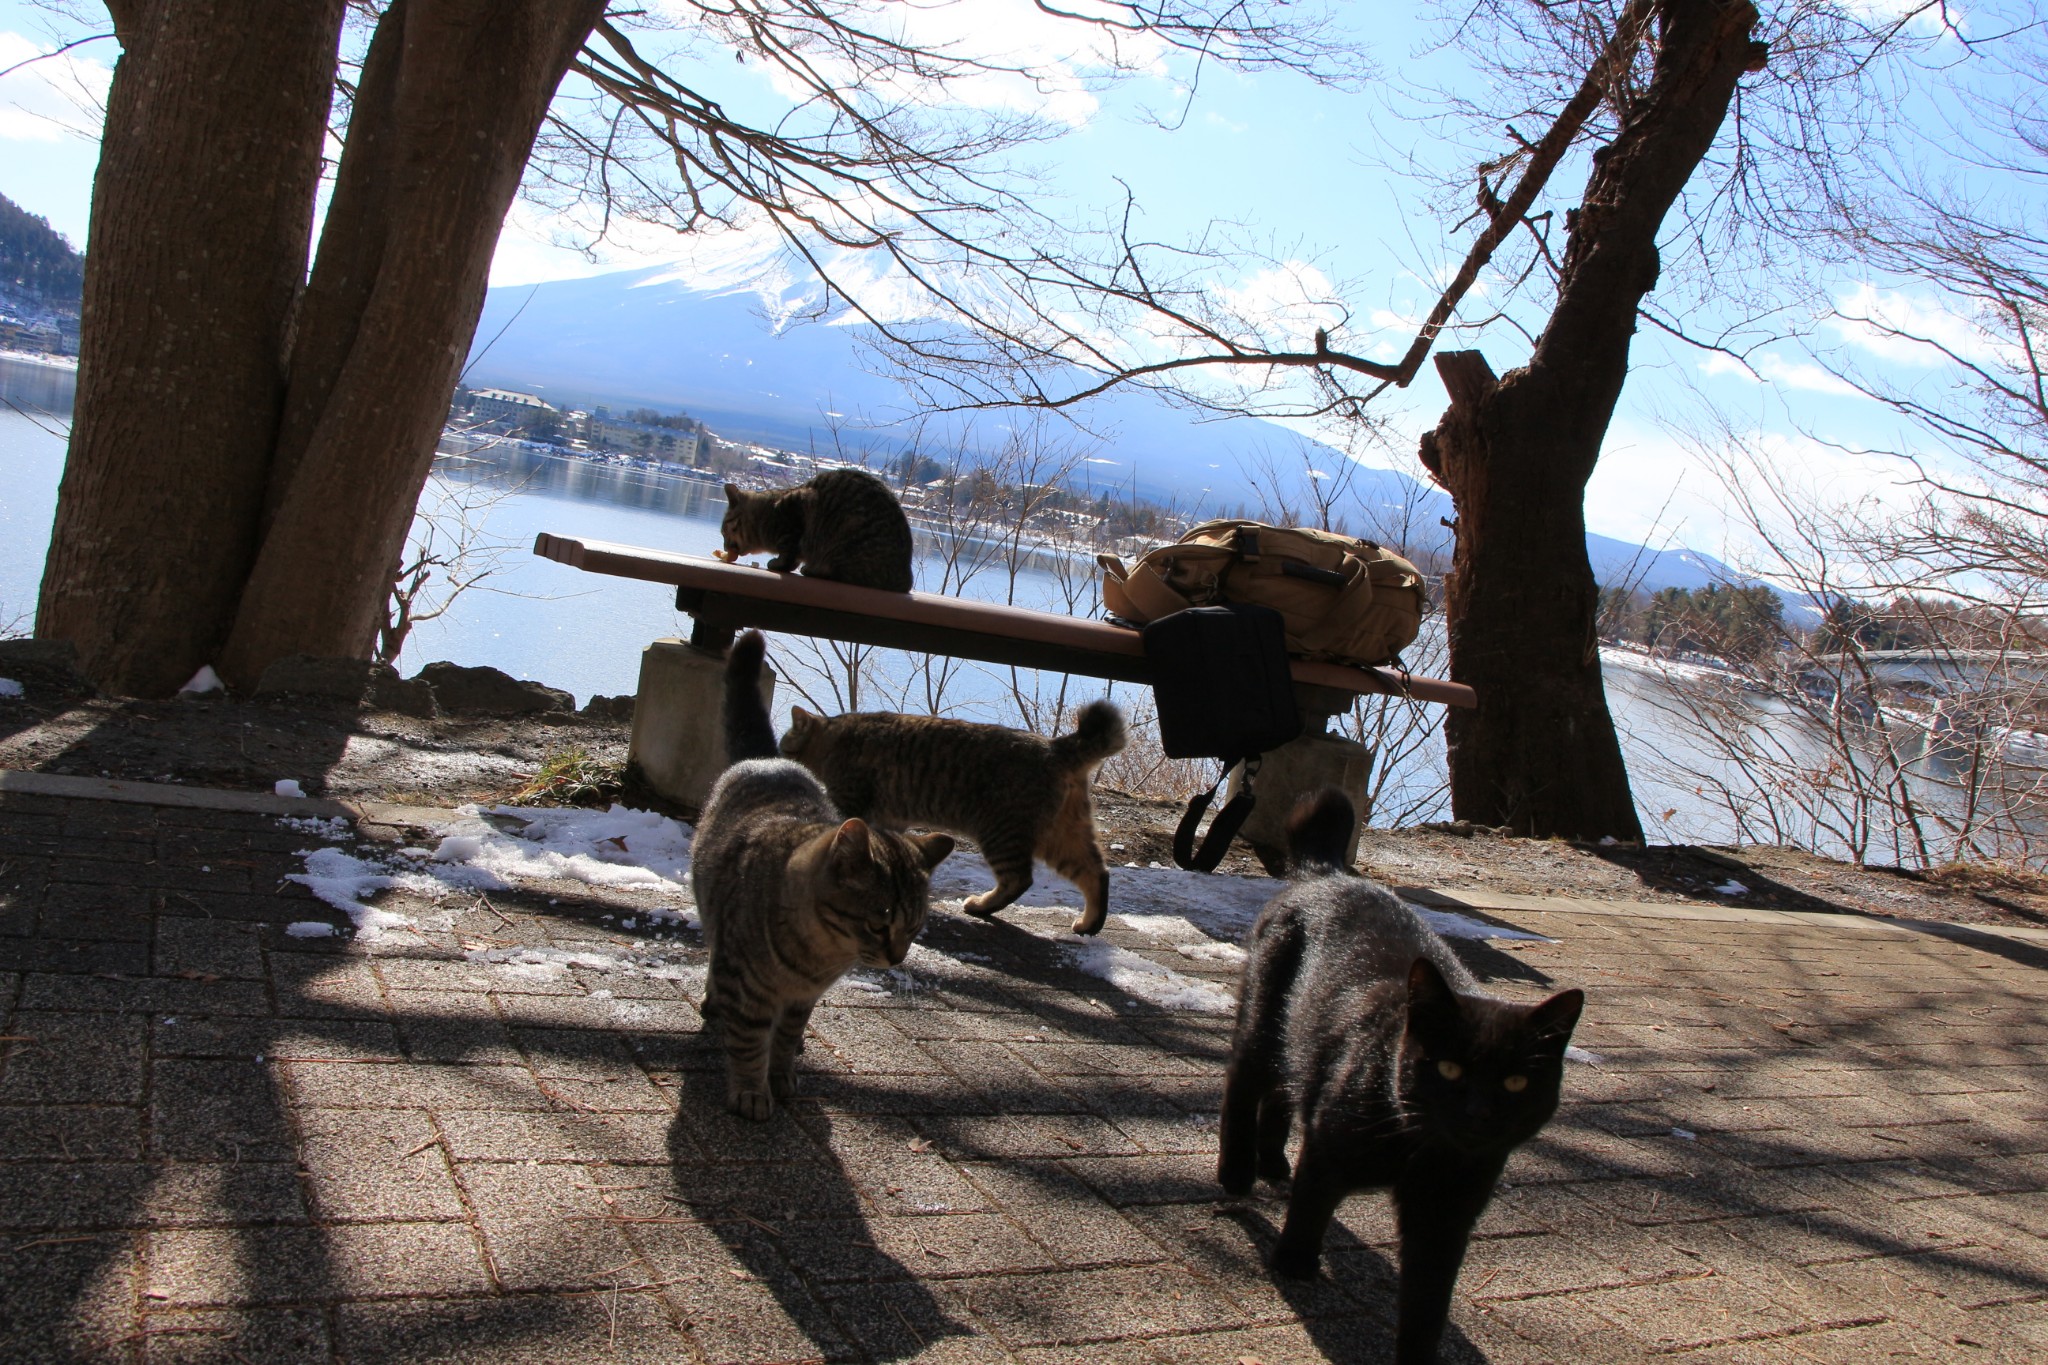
(791, 895)
(1356, 1017)
(844, 525)
(1015, 794)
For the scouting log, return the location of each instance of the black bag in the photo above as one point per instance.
(1222, 684)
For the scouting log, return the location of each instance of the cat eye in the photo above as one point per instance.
(1449, 1070)
(1515, 1085)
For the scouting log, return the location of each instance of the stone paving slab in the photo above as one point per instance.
(1806, 1138)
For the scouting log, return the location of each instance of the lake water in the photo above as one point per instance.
(583, 632)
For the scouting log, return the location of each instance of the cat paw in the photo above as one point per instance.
(979, 907)
(1296, 1264)
(1090, 923)
(754, 1105)
(1275, 1169)
(1235, 1179)
(782, 1086)
(781, 565)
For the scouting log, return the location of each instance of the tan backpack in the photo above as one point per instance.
(1344, 600)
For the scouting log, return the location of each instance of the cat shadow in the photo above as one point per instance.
(1352, 1270)
(782, 1205)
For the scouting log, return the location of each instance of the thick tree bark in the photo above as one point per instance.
(202, 215)
(1539, 753)
(452, 98)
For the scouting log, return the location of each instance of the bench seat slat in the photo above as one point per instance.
(739, 595)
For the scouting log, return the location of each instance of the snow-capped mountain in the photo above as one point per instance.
(657, 338)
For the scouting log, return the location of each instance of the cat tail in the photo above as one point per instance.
(1319, 833)
(749, 733)
(1098, 733)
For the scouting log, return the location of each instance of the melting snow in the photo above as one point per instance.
(287, 786)
(346, 882)
(1200, 917)
(203, 682)
(10, 688)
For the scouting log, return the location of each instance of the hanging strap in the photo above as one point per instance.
(1222, 829)
(1340, 621)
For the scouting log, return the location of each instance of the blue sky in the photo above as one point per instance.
(1303, 167)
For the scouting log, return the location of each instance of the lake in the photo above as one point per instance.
(583, 632)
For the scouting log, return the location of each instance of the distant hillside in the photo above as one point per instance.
(644, 337)
(35, 258)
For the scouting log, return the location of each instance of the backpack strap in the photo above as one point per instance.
(1148, 593)
(1222, 829)
(1342, 619)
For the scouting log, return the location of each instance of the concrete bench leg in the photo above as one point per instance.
(1301, 767)
(678, 747)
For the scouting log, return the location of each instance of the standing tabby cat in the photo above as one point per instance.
(1015, 794)
(791, 895)
(1355, 1017)
(844, 524)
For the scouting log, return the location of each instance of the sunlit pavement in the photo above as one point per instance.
(499, 1136)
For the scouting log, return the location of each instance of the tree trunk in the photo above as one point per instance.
(452, 98)
(201, 219)
(1539, 753)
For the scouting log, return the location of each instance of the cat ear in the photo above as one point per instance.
(800, 719)
(735, 494)
(1552, 1021)
(850, 844)
(934, 847)
(1432, 1006)
(1426, 985)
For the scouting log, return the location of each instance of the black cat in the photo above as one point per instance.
(1354, 1016)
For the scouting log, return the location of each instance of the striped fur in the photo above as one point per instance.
(844, 524)
(791, 896)
(1018, 796)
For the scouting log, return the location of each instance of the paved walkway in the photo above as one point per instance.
(1806, 1140)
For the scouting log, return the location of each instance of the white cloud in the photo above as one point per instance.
(55, 98)
(1291, 299)
(1773, 368)
(1867, 316)
(1059, 64)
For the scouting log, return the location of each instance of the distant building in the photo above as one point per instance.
(673, 440)
(505, 404)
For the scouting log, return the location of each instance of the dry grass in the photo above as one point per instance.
(571, 777)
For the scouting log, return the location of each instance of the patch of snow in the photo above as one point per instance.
(288, 786)
(10, 689)
(1137, 975)
(1731, 887)
(334, 827)
(1177, 933)
(346, 882)
(1579, 1054)
(546, 964)
(615, 848)
(1451, 924)
(1685, 1134)
(203, 682)
(310, 928)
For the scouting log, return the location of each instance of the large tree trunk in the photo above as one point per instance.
(1539, 753)
(202, 215)
(452, 98)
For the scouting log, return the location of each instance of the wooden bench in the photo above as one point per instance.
(675, 736)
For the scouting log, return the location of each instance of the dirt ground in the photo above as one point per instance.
(388, 757)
